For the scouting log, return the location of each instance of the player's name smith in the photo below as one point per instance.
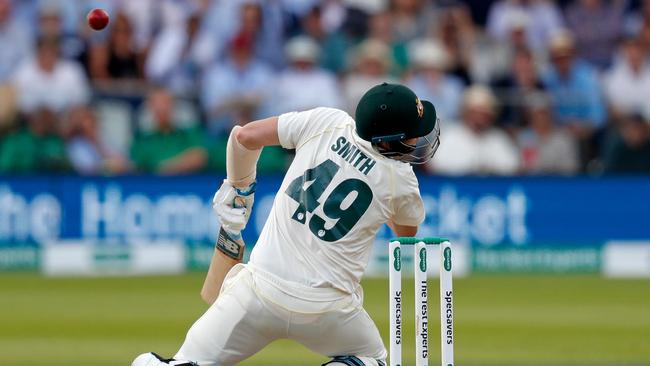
(353, 155)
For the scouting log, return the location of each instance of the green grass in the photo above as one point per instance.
(500, 320)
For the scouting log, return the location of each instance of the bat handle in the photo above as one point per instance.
(239, 202)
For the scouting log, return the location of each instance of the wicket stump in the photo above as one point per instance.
(421, 300)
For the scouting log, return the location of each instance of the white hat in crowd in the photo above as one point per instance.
(517, 20)
(562, 43)
(373, 50)
(302, 48)
(428, 53)
(480, 97)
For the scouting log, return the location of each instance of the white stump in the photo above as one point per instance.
(421, 304)
(446, 305)
(395, 299)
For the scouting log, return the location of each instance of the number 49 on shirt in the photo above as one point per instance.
(320, 178)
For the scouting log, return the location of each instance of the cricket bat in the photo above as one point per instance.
(228, 252)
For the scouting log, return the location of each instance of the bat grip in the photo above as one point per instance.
(239, 202)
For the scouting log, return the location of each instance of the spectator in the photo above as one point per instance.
(178, 56)
(519, 27)
(299, 8)
(597, 26)
(517, 30)
(145, 17)
(371, 62)
(220, 22)
(15, 42)
(475, 146)
(463, 44)
(234, 90)
(48, 81)
(52, 25)
(333, 14)
(577, 97)
(290, 93)
(266, 23)
(512, 89)
(545, 148)
(34, 148)
(313, 26)
(175, 13)
(68, 12)
(338, 46)
(262, 21)
(117, 59)
(629, 147)
(410, 19)
(230, 52)
(7, 108)
(544, 19)
(644, 35)
(429, 80)
(627, 84)
(381, 30)
(85, 150)
(168, 149)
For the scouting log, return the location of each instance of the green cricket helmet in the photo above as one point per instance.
(389, 114)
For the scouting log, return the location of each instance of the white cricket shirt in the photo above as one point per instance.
(334, 198)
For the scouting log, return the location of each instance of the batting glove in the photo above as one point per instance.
(233, 206)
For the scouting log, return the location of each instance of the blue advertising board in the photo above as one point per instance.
(488, 212)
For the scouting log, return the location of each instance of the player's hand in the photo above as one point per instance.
(233, 206)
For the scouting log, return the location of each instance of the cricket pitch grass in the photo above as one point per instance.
(504, 320)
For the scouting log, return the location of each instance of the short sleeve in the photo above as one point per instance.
(291, 128)
(295, 128)
(408, 205)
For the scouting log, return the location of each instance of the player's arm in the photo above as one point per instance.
(408, 208)
(234, 200)
(403, 230)
(257, 134)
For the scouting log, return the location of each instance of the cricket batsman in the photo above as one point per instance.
(302, 282)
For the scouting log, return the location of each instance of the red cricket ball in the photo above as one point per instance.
(97, 19)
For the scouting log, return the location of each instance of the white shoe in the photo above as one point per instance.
(152, 359)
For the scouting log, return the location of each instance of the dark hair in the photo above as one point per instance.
(45, 41)
(633, 118)
(523, 51)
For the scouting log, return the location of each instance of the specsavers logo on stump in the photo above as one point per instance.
(397, 264)
(447, 259)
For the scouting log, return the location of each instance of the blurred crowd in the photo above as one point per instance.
(521, 86)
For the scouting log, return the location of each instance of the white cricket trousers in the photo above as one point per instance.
(255, 308)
